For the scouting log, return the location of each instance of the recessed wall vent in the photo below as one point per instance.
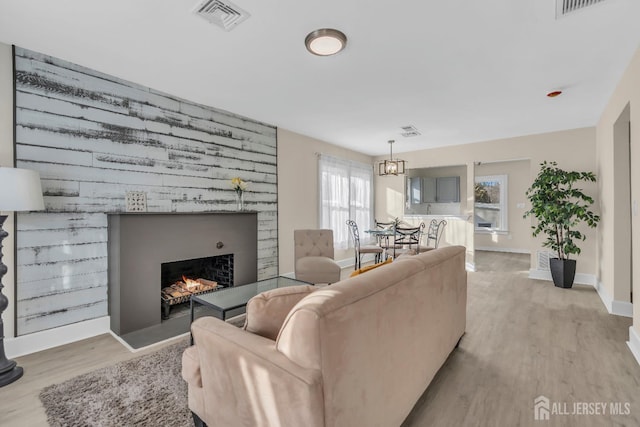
(409, 131)
(224, 14)
(543, 260)
(565, 7)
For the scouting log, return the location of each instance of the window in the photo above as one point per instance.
(346, 192)
(491, 203)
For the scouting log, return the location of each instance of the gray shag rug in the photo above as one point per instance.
(146, 391)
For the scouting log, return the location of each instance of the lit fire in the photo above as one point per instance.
(190, 282)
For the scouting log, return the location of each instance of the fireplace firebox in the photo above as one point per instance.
(181, 279)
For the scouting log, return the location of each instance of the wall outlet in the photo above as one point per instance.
(520, 205)
(136, 201)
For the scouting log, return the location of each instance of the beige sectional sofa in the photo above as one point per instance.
(357, 353)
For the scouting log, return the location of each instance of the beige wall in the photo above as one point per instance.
(572, 149)
(6, 159)
(298, 189)
(518, 180)
(613, 251)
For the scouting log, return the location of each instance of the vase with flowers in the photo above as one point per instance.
(239, 186)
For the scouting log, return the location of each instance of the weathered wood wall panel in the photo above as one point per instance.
(93, 137)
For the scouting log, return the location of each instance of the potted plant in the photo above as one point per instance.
(559, 208)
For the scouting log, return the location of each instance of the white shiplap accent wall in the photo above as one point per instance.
(93, 137)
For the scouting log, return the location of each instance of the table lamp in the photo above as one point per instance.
(20, 190)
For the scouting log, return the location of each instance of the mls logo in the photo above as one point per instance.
(541, 408)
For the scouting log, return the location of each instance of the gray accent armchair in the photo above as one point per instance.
(313, 254)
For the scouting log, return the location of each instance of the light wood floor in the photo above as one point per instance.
(524, 338)
(527, 338)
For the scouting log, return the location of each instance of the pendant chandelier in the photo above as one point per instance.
(392, 166)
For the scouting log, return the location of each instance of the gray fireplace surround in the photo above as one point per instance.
(139, 243)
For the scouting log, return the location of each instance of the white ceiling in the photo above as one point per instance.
(460, 71)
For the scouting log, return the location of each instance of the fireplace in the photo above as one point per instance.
(140, 243)
(181, 279)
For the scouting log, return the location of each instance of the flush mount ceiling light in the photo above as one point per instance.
(325, 41)
(392, 166)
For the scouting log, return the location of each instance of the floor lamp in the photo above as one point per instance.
(20, 190)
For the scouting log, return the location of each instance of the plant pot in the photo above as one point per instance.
(563, 272)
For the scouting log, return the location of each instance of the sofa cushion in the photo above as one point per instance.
(371, 267)
(266, 311)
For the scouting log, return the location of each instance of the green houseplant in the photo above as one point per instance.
(559, 208)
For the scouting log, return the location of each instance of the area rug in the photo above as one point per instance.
(146, 391)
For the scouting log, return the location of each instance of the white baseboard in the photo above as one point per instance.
(349, 262)
(38, 341)
(509, 250)
(634, 343)
(619, 308)
(155, 344)
(622, 308)
(580, 279)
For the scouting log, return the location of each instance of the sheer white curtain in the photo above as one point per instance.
(346, 192)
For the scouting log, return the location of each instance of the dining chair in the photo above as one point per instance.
(386, 242)
(359, 249)
(408, 238)
(434, 234)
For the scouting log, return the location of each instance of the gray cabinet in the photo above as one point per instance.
(429, 189)
(448, 189)
(425, 189)
(414, 190)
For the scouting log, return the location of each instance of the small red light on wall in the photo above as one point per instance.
(554, 93)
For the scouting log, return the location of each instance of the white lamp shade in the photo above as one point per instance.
(20, 190)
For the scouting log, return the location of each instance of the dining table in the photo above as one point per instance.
(386, 233)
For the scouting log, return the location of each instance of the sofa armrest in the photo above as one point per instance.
(266, 311)
(191, 367)
(247, 382)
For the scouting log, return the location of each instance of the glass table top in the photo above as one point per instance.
(238, 296)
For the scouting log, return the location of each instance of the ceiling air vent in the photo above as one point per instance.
(409, 131)
(565, 7)
(224, 14)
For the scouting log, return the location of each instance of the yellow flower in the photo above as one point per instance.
(238, 184)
